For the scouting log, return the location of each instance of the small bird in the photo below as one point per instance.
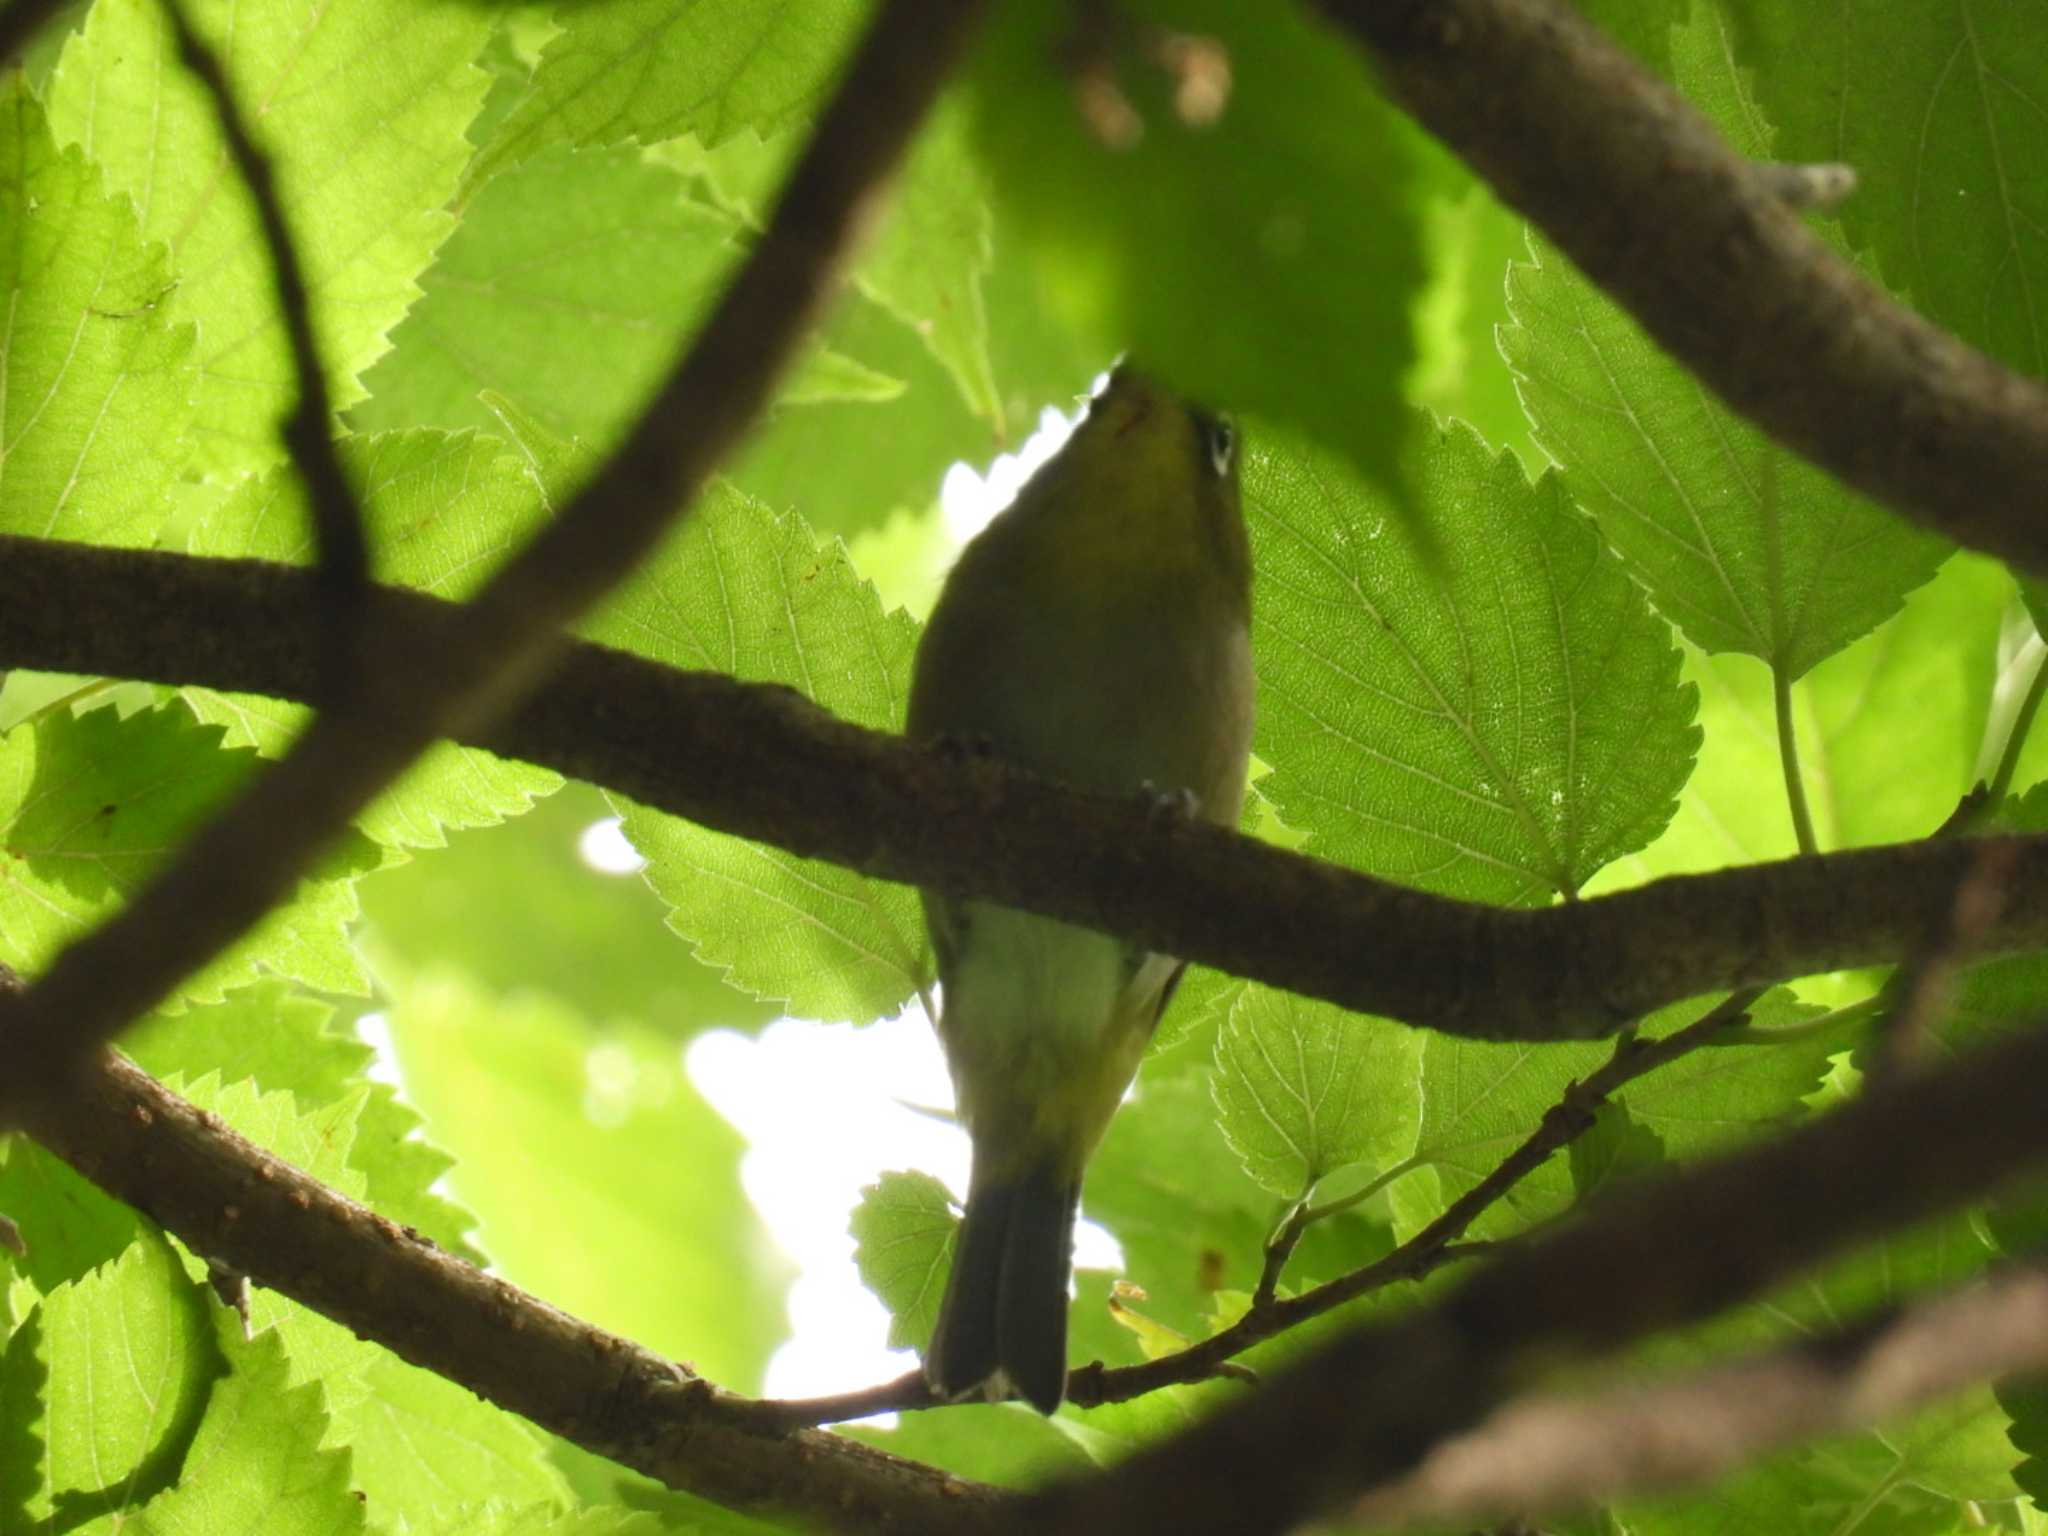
(1098, 632)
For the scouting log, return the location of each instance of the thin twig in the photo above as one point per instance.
(1364, 1408)
(1427, 1251)
(235, 869)
(762, 763)
(308, 429)
(1550, 1455)
(1702, 248)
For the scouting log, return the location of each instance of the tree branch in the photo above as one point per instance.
(1699, 245)
(760, 762)
(1545, 1455)
(1366, 1407)
(1427, 1251)
(507, 640)
(231, 1201)
(308, 432)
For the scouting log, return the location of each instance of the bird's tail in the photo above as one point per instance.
(1002, 1327)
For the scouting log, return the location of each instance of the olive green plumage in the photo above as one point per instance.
(1098, 632)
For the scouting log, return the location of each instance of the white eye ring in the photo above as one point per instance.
(1222, 437)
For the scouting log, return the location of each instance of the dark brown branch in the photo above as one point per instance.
(232, 1202)
(1697, 244)
(1368, 1406)
(1546, 1455)
(507, 641)
(308, 432)
(762, 763)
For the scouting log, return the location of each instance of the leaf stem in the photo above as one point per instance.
(1788, 756)
(1782, 1034)
(1303, 1215)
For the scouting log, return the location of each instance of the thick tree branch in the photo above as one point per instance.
(245, 861)
(1368, 1406)
(762, 763)
(1359, 1412)
(1698, 245)
(231, 1201)
(1546, 1455)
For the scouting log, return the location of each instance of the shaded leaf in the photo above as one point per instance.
(1744, 546)
(1496, 724)
(90, 806)
(1218, 191)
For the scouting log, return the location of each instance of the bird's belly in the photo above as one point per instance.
(1044, 1024)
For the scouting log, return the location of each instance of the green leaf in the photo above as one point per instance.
(1915, 692)
(98, 377)
(1252, 246)
(741, 590)
(541, 1520)
(1471, 240)
(929, 257)
(127, 1356)
(440, 511)
(258, 1466)
(568, 288)
(422, 1443)
(847, 464)
(1190, 1220)
(89, 807)
(286, 1042)
(1616, 1149)
(24, 1457)
(417, 1440)
(601, 1179)
(1303, 1088)
(71, 1225)
(1744, 546)
(1939, 110)
(360, 111)
(1496, 722)
(1002, 1443)
(1641, 26)
(903, 1247)
(1480, 1101)
(516, 908)
(1959, 1448)
(645, 70)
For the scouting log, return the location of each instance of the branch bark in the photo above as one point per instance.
(1359, 1412)
(761, 762)
(230, 1200)
(507, 640)
(1367, 1407)
(1549, 1455)
(1696, 242)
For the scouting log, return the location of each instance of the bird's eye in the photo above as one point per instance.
(1220, 436)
